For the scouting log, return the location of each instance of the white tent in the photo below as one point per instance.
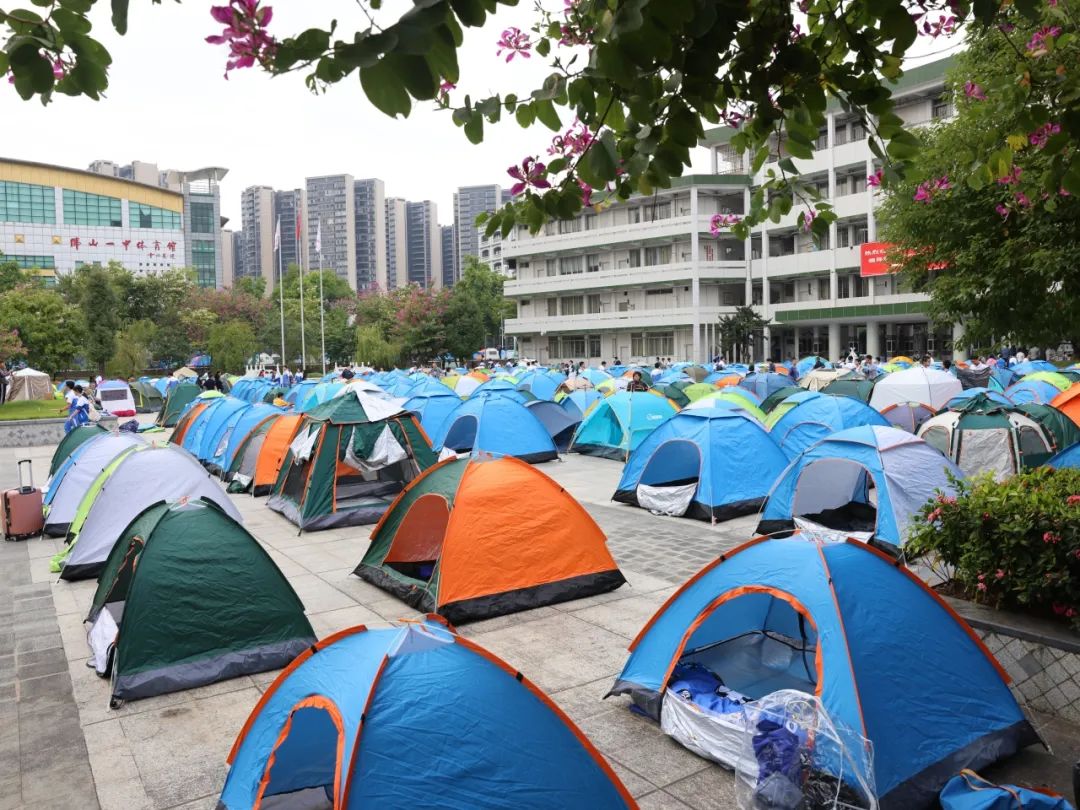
(29, 384)
(927, 386)
(115, 397)
(74, 478)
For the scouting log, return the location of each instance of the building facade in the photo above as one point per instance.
(257, 219)
(490, 248)
(645, 278)
(469, 203)
(228, 258)
(397, 247)
(332, 223)
(290, 209)
(237, 255)
(450, 272)
(424, 241)
(56, 218)
(369, 203)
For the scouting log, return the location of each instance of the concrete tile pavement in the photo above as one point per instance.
(168, 753)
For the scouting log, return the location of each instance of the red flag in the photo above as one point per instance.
(298, 218)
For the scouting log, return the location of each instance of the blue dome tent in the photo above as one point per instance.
(1031, 366)
(211, 423)
(620, 422)
(559, 422)
(541, 384)
(432, 407)
(829, 483)
(803, 419)
(968, 393)
(496, 425)
(840, 620)
(1069, 457)
(502, 388)
(1038, 391)
(706, 463)
(316, 395)
(764, 383)
(808, 363)
(578, 402)
(413, 716)
(236, 430)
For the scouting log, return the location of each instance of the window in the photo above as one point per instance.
(822, 141)
(843, 236)
(843, 289)
(659, 211)
(203, 259)
(553, 307)
(634, 258)
(25, 202)
(572, 305)
(756, 294)
(589, 222)
(593, 306)
(637, 345)
(659, 344)
(858, 130)
(81, 208)
(30, 262)
(202, 217)
(755, 246)
(840, 134)
(661, 291)
(572, 345)
(571, 265)
(730, 298)
(551, 267)
(862, 233)
(633, 215)
(823, 291)
(941, 108)
(147, 216)
(569, 225)
(592, 263)
(660, 254)
(594, 345)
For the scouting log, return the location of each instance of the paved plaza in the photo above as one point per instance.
(62, 747)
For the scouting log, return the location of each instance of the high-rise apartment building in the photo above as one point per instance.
(397, 249)
(469, 203)
(228, 260)
(332, 223)
(369, 198)
(237, 239)
(257, 220)
(450, 271)
(424, 240)
(290, 210)
(645, 278)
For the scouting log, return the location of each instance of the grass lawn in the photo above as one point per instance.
(33, 409)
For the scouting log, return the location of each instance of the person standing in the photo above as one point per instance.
(78, 409)
(3, 383)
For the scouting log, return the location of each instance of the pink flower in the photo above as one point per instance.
(574, 141)
(809, 215)
(515, 42)
(933, 515)
(948, 499)
(1060, 609)
(1072, 500)
(982, 577)
(999, 574)
(1022, 199)
(529, 174)
(972, 90)
(721, 221)
(876, 178)
(1011, 177)
(586, 192)
(985, 517)
(1051, 538)
(943, 25)
(1039, 137)
(1037, 45)
(981, 586)
(925, 192)
(245, 33)
(1003, 210)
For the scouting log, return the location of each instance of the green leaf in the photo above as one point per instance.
(415, 74)
(788, 165)
(470, 12)
(1071, 181)
(120, 16)
(525, 114)
(545, 111)
(385, 89)
(474, 128)
(543, 47)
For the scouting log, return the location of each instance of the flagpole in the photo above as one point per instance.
(322, 318)
(303, 337)
(281, 301)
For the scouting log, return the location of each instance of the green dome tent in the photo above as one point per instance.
(179, 397)
(197, 599)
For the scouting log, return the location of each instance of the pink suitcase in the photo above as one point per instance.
(20, 509)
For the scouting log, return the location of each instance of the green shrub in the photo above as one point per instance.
(1014, 544)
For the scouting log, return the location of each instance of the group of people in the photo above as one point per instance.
(283, 378)
(78, 406)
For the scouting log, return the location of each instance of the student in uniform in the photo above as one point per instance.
(78, 410)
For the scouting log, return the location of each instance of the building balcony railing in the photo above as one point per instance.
(606, 277)
(608, 320)
(598, 237)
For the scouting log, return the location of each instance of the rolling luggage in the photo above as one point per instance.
(20, 509)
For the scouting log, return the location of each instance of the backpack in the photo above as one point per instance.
(969, 791)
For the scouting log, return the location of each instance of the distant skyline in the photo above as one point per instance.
(168, 103)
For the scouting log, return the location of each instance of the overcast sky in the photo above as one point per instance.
(168, 103)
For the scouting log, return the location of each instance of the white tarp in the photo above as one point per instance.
(714, 736)
(673, 501)
(303, 445)
(101, 637)
(386, 451)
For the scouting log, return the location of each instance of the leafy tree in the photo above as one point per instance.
(737, 332)
(92, 289)
(171, 345)
(464, 325)
(421, 322)
(374, 349)
(484, 286)
(999, 253)
(132, 355)
(11, 345)
(642, 78)
(377, 309)
(50, 329)
(231, 344)
(11, 275)
(250, 285)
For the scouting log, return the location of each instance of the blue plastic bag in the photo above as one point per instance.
(969, 791)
